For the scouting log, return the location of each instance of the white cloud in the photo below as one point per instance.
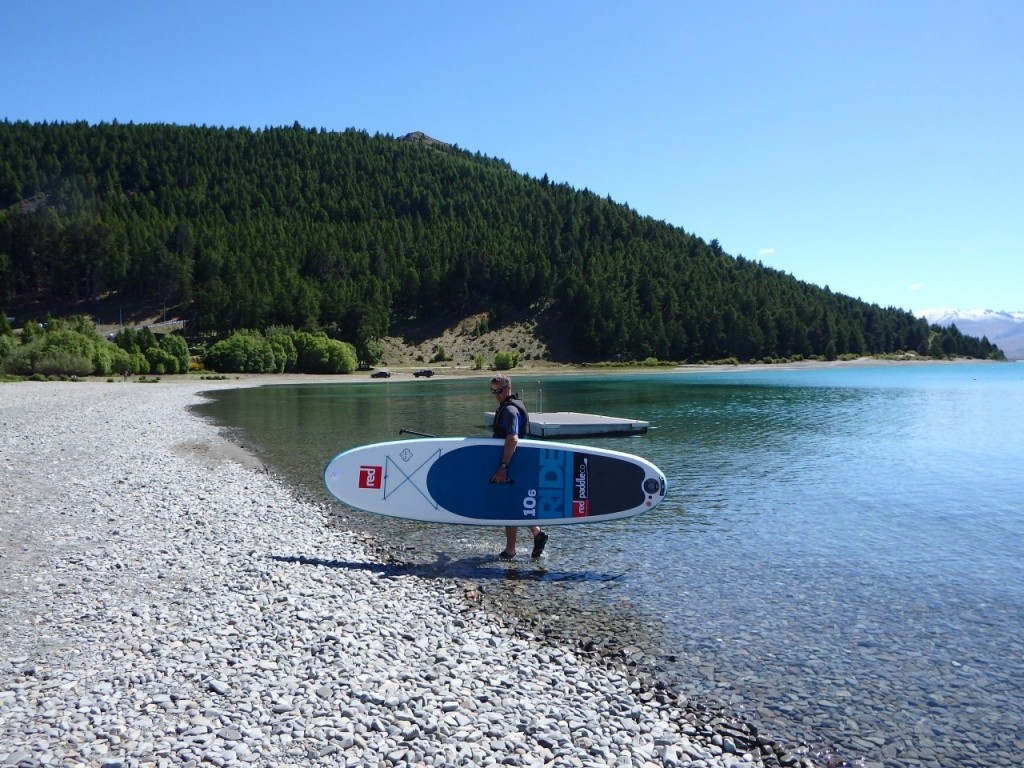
(766, 252)
(916, 286)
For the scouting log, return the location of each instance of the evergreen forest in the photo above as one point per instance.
(341, 234)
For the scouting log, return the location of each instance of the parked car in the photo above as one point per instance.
(425, 372)
(380, 375)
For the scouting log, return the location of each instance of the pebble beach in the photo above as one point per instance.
(166, 601)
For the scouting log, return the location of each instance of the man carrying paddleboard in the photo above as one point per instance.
(511, 421)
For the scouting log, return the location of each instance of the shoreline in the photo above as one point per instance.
(165, 601)
(404, 372)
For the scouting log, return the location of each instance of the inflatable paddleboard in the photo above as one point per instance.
(447, 480)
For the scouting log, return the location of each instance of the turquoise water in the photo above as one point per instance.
(839, 555)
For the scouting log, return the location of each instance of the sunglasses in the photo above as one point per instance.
(497, 391)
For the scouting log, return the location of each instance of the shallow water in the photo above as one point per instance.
(838, 556)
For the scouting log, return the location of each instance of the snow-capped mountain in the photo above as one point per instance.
(1003, 328)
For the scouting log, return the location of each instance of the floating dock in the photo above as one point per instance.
(559, 424)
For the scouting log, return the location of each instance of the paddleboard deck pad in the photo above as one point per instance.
(447, 480)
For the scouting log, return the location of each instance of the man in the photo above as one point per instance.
(511, 421)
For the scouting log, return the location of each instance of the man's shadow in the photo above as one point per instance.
(445, 567)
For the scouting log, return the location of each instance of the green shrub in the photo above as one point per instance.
(161, 361)
(312, 354)
(177, 347)
(110, 359)
(140, 365)
(102, 359)
(18, 362)
(282, 343)
(120, 361)
(62, 362)
(343, 357)
(7, 347)
(279, 351)
(504, 361)
(73, 342)
(57, 351)
(319, 354)
(126, 339)
(31, 331)
(241, 352)
(71, 347)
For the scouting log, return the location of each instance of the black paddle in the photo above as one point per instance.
(404, 431)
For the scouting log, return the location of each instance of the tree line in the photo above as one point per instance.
(342, 233)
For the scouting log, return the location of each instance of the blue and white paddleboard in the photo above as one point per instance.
(447, 480)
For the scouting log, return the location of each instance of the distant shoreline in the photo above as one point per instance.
(402, 373)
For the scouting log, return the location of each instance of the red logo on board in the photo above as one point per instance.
(580, 507)
(370, 477)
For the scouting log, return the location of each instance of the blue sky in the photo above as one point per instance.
(873, 146)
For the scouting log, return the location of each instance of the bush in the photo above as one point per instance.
(504, 361)
(343, 357)
(161, 361)
(110, 358)
(177, 348)
(126, 339)
(73, 342)
(57, 351)
(7, 347)
(72, 347)
(120, 361)
(282, 343)
(281, 350)
(62, 362)
(241, 352)
(319, 354)
(19, 361)
(31, 331)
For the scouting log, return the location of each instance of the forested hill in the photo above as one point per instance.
(347, 232)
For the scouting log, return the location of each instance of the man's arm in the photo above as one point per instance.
(507, 450)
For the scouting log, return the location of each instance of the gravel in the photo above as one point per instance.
(167, 602)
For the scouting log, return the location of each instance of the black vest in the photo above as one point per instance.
(512, 401)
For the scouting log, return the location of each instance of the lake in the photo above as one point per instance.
(838, 557)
